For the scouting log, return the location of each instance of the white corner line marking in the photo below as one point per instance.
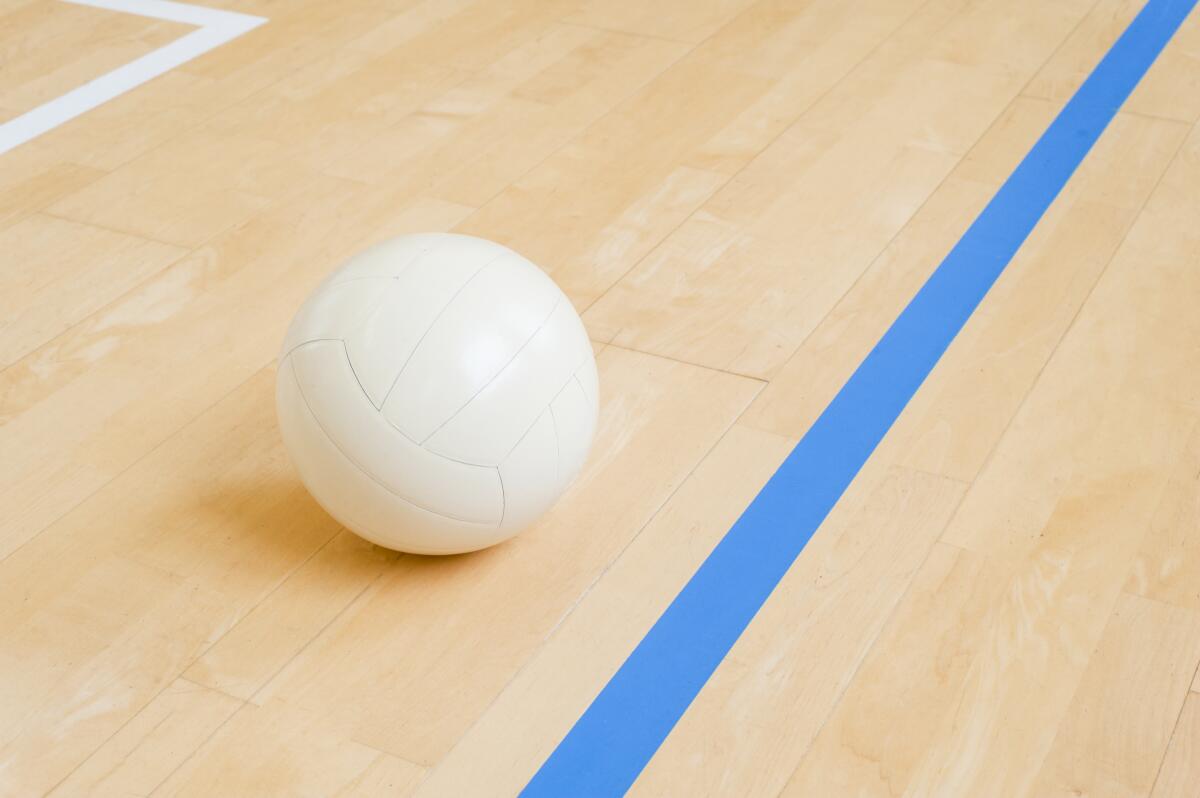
(214, 28)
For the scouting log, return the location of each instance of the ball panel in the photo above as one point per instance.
(472, 341)
(510, 393)
(333, 312)
(530, 474)
(381, 344)
(574, 422)
(490, 425)
(358, 502)
(426, 479)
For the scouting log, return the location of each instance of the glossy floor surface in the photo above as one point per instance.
(738, 196)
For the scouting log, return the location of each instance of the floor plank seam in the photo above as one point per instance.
(636, 34)
(62, 217)
(165, 439)
(250, 702)
(883, 627)
(765, 381)
(883, 250)
(983, 466)
(766, 146)
(265, 597)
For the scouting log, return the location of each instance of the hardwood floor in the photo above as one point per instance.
(739, 196)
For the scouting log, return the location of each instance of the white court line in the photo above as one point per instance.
(214, 28)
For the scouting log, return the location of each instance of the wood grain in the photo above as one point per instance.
(1180, 772)
(1111, 741)
(739, 196)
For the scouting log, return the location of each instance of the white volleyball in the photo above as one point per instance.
(437, 393)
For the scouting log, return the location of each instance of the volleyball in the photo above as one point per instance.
(437, 393)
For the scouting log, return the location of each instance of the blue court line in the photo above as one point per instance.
(611, 743)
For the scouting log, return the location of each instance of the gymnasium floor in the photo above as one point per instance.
(739, 196)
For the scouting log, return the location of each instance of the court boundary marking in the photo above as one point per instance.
(614, 739)
(214, 27)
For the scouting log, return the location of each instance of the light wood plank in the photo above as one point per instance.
(270, 635)
(228, 180)
(434, 117)
(58, 272)
(825, 199)
(1116, 731)
(877, 735)
(548, 109)
(282, 750)
(155, 741)
(34, 177)
(1180, 771)
(1168, 566)
(692, 22)
(387, 776)
(710, 112)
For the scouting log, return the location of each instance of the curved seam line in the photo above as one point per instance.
(407, 437)
(433, 324)
(593, 404)
(503, 497)
(498, 373)
(373, 310)
(343, 340)
(387, 420)
(533, 423)
(371, 314)
(288, 353)
(346, 352)
(364, 471)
